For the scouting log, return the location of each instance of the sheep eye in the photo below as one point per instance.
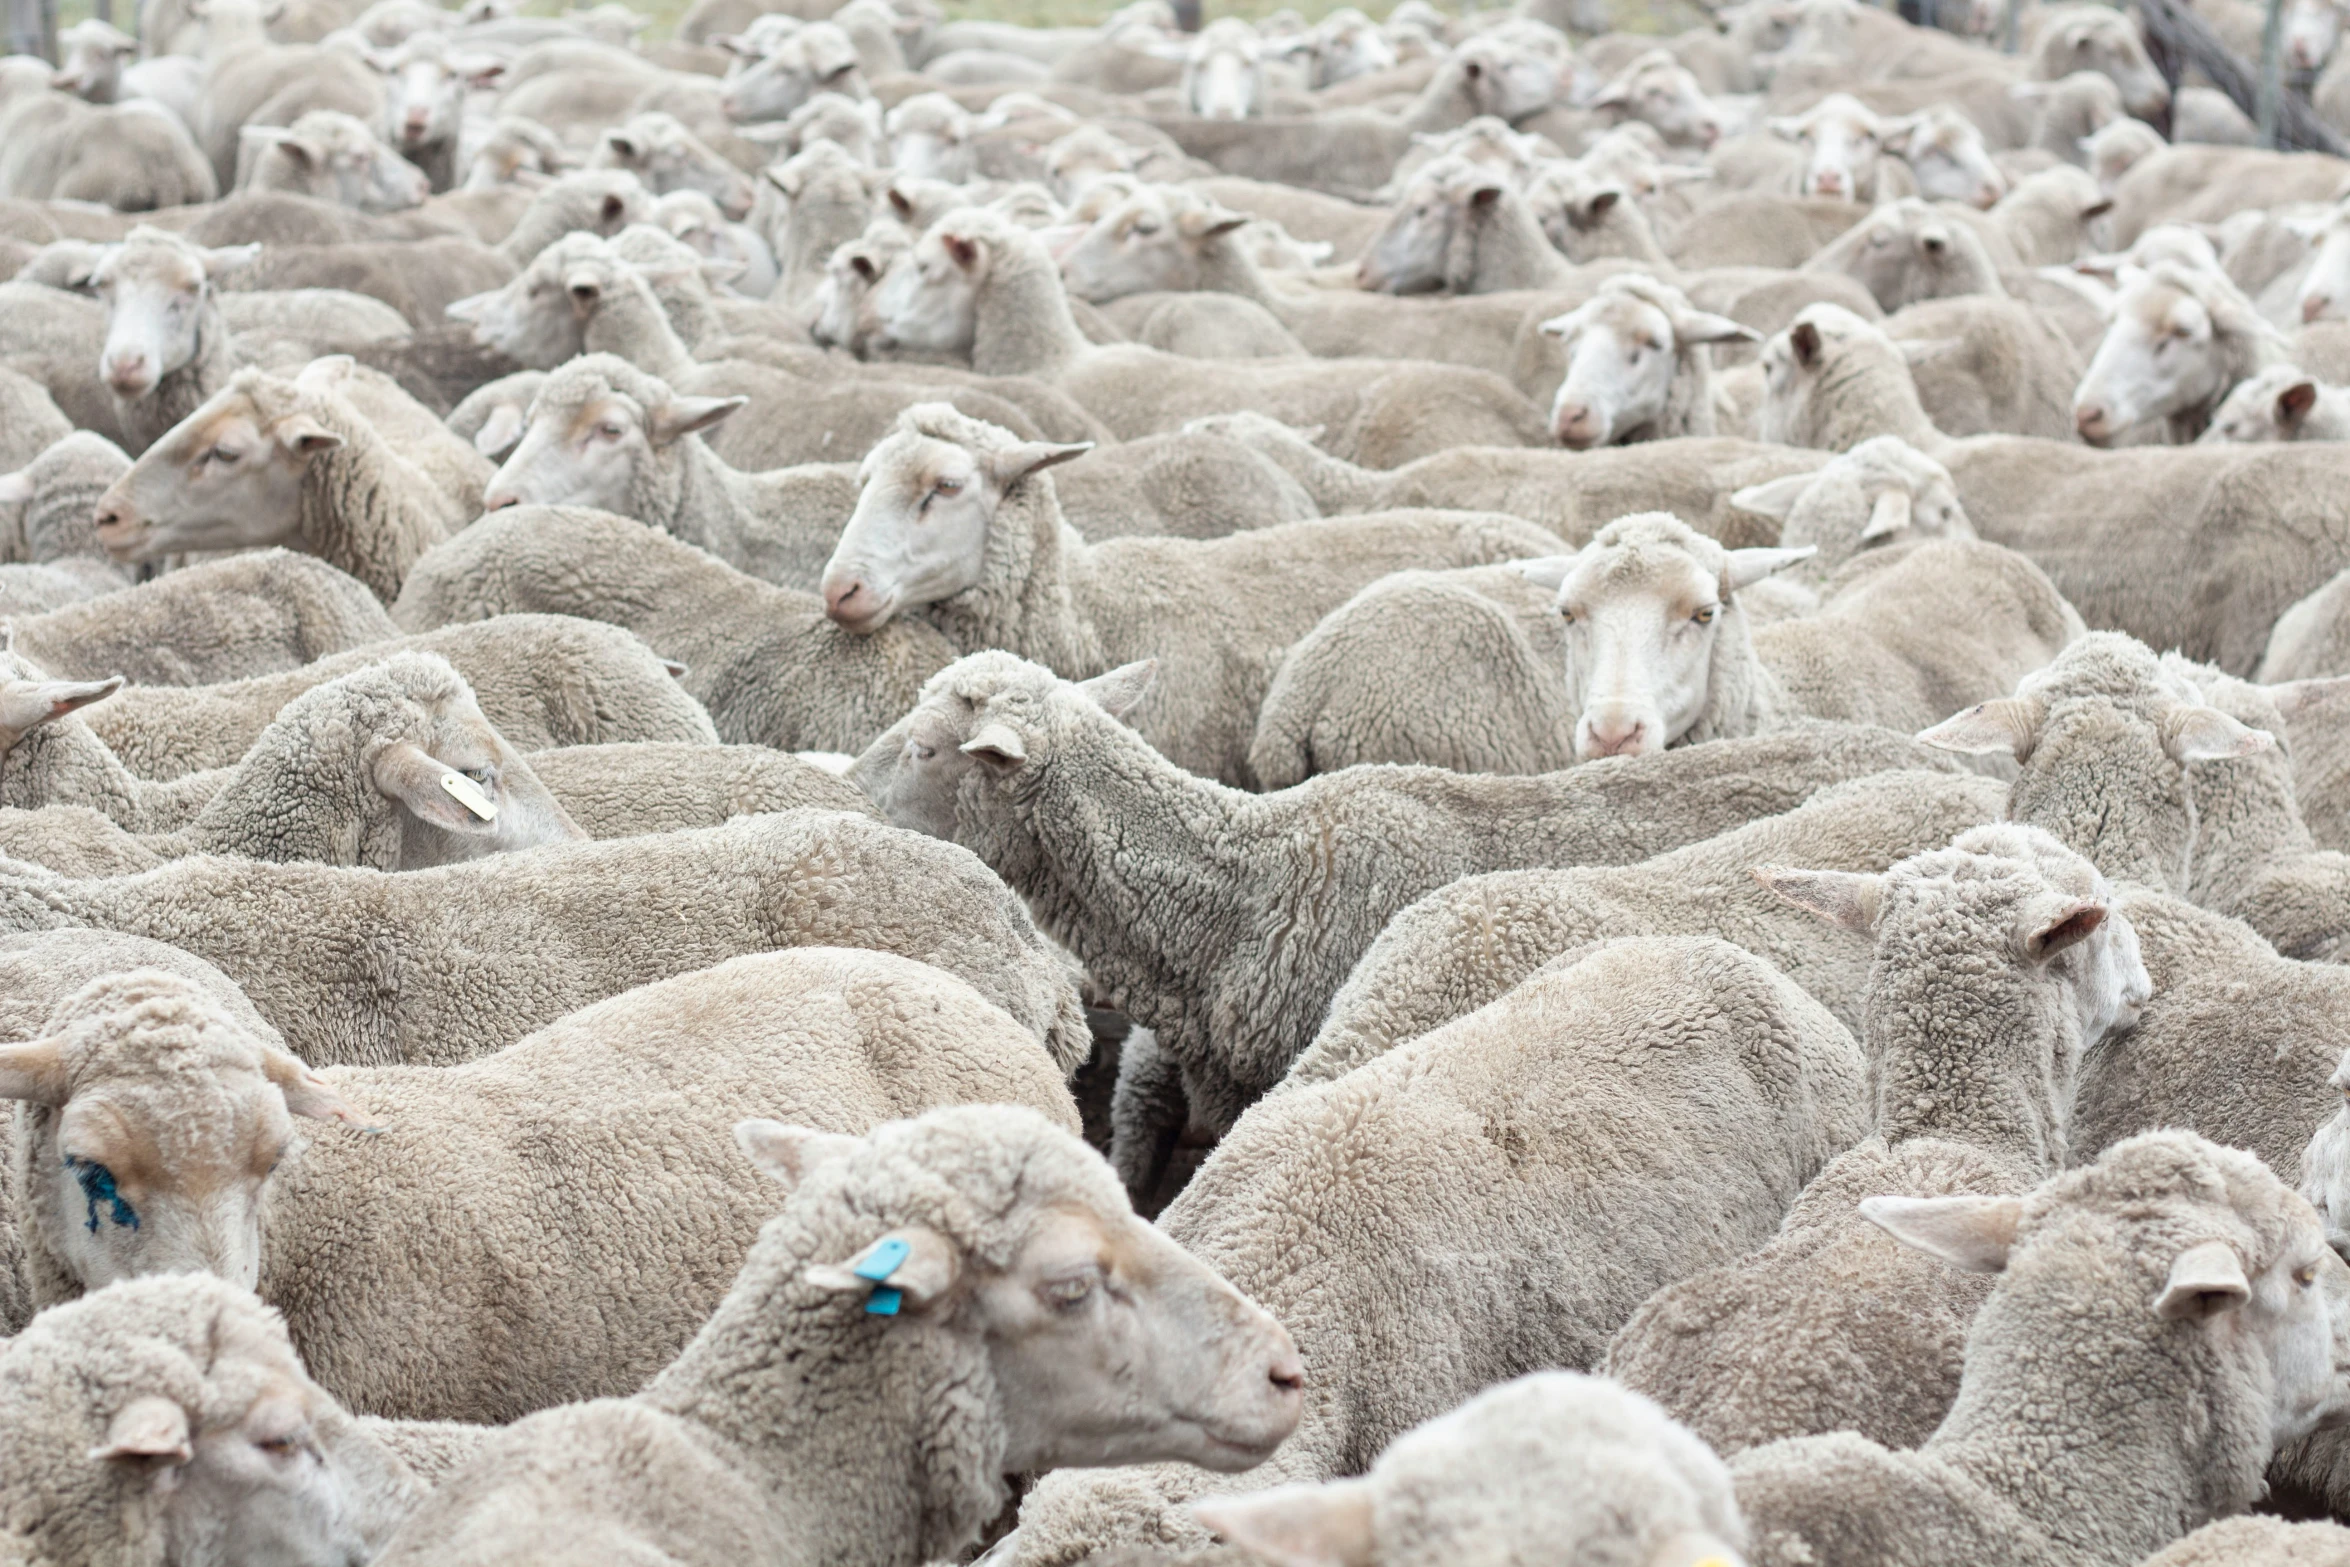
(481, 775)
(1066, 1293)
(947, 487)
(610, 432)
(2305, 1275)
(218, 454)
(1705, 616)
(276, 1446)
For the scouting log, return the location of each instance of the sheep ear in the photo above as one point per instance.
(1846, 898)
(470, 308)
(1008, 468)
(15, 488)
(1774, 497)
(1804, 338)
(997, 747)
(2294, 697)
(147, 1433)
(1560, 326)
(304, 436)
(25, 705)
(34, 1073)
(2205, 734)
(325, 373)
(785, 1154)
(1696, 1548)
(1545, 571)
(1748, 567)
(621, 144)
(1890, 515)
(1325, 1525)
(2295, 401)
(683, 416)
(1699, 326)
(2008, 723)
(306, 1093)
(913, 1266)
(1970, 1233)
(2067, 925)
(500, 431)
(432, 791)
(2205, 1280)
(1121, 689)
(227, 258)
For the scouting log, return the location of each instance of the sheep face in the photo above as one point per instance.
(2325, 290)
(660, 151)
(1843, 138)
(2092, 38)
(1624, 349)
(1659, 91)
(1514, 72)
(2115, 148)
(930, 138)
(842, 310)
(336, 158)
(2274, 405)
(816, 58)
(424, 92)
(1645, 605)
(1348, 44)
(589, 443)
(1224, 74)
(535, 320)
(1145, 244)
(1084, 158)
(1573, 205)
(1905, 252)
(2313, 28)
(1421, 248)
(1884, 491)
(2161, 358)
(920, 532)
(227, 477)
(930, 302)
(157, 290)
(516, 151)
(91, 55)
(1945, 151)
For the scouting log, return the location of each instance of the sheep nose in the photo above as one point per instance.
(498, 498)
(1287, 1374)
(413, 126)
(2315, 305)
(1828, 185)
(1616, 734)
(127, 372)
(2090, 419)
(1988, 196)
(1577, 425)
(848, 602)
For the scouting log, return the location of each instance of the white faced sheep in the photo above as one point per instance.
(2157, 1327)
(427, 78)
(1657, 90)
(1843, 140)
(332, 157)
(2093, 38)
(980, 286)
(1224, 71)
(1039, 1323)
(168, 1420)
(662, 151)
(1425, 1231)
(1999, 963)
(2325, 287)
(958, 524)
(1551, 1462)
(315, 946)
(1946, 155)
(930, 138)
(1638, 367)
(765, 661)
(167, 347)
(2280, 403)
(2179, 341)
(140, 1087)
(1230, 940)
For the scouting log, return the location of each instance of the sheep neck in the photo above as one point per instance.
(1445, 104)
(1513, 252)
(64, 763)
(631, 323)
(1224, 268)
(803, 1390)
(186, 389)
(359, 513)
(1025, 601)
(1984, 1059)
(1857, 396)
(2114, 1466)
(695, 495)
(1023, 323)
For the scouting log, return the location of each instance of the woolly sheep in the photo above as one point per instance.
(167, 346)
(2280, 403)
(2257, 1542)
(1209, 942)
(2312, 639)
(2180, 339)
(1908, 250)
(45, 530)
(764, 660)
(426, 81)
(140, 1073)
(957, 523)
(898, 1433)
(667, 156)
(271, 461)
(1464, 227)
(2091, 38)
(1457, 948)
(978, 285)
(1659, 91)
(392, 767)
(2155, 1328)
(1637, 364)
(1882, 494)
(1405, 1221)
(314, 946)
(1841, 138)
(1947, 156)
(169, 1420)
(333, 157)
(620, 791)
(1998, 964)
(1553, 1462)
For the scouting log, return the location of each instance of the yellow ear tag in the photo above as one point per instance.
(468, 794)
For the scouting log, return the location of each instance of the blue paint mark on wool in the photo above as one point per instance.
(97, 1184)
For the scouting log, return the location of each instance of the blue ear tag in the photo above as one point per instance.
(877, 1265)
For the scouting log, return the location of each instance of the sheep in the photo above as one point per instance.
(956, 523)
(542, 680)
(391, 766)
(1881, 494)
(2195, 548)
(332, 157)
(980, 285)
(765, 661)
(1457, 948)
(1908, 250)
(2116, 148)
(1549, 1462)
(794, 68)
(898, 1435)
(48, 503)
(2180, 339)
(662, 152)
(1841, 138)
(842, 1040)
(1584, 217)
(930, 138)
(2256, 1542)
(601, 201)
(219, 620)
(1180, 485)
(30, 422)
(272, 461)
(2092, 38)
(1947, 158)
(1335, 1205)
(1637, 364)
(2279, 403)
(620, 791)
(1224, 72)
(509, 151)
(168, 347)
(2155, 1329)
(2325, 287)
(604, 434)
(1009, 760)
(426, 79)
(1463, 227)
(132, 157)
(697, 221)
(1659, 91)
(169, 1419)
(1998, 964)
(310, 944)
(2207, 184)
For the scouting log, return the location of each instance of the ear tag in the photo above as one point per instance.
(468, 794)
(875, 1267)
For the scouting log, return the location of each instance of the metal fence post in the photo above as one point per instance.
(2272, 72)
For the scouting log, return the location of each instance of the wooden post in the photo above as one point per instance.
(2272, 72)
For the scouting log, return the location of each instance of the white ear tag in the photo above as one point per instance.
(468, 794)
